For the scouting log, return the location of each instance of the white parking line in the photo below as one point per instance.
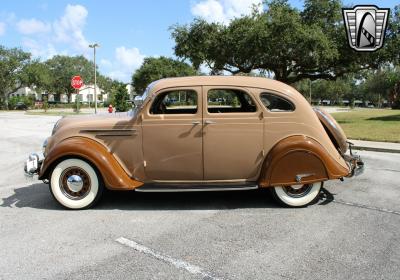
(193, 269)
(366, 207)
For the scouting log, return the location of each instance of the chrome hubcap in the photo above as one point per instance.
(75, 183)
(298, 190)
(296, 187)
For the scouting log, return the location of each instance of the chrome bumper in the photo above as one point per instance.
(33, 164)
(356, 165)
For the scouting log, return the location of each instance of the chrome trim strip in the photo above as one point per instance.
(205, 189)
(110, 134)
(201, 182)
(108, 130)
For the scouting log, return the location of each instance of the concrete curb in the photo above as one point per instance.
(375, 149)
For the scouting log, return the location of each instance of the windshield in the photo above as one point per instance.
(147, 90)
(139, 100)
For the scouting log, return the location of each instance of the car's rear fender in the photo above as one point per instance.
(299, 160)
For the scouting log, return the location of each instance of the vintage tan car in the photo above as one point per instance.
(197, 134)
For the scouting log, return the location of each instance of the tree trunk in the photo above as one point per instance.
(6, 101)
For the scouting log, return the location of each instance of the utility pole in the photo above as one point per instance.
(94, 46)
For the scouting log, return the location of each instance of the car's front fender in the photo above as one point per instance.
(113, 174)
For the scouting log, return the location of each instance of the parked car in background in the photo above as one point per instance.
(20, 106)
(263, 135)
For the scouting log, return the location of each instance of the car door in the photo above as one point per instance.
(172, 135)
(232, 134)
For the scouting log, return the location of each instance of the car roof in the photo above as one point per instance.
(243, 81)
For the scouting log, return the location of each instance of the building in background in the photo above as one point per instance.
(131, 91)
(86, 94)
(28, 92)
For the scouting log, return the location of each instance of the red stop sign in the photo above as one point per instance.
(76, 82)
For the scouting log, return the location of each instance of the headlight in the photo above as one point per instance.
(44, 146)
(55, 127)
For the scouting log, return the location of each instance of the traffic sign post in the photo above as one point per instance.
(77, 83)
(77, 99)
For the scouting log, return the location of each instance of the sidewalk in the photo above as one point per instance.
(376, 146)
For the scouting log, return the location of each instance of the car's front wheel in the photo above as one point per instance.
(75, 184)
(297, 195)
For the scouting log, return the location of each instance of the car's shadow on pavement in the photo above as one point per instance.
(38, 196)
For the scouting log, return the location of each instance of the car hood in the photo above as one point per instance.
(93, 121)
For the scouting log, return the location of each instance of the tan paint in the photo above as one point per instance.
(299, 155)
(172, 144)
(112, 172)
(232, 143)
(183, 148)
(334, 129)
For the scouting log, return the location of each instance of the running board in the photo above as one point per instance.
(194, 188)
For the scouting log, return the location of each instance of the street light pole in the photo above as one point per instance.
(94, 46)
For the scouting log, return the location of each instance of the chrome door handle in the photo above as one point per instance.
(195, 122)
(209, 122)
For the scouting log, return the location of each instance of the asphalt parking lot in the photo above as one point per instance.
(352, 232)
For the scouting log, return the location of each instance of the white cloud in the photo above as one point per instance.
(127, 60)
(65, 36)
(223, 10)
(69, 28)
(2, 28)
(32, 26)
(41, 50)
(119, 75)
(65, 32)
(210, 10)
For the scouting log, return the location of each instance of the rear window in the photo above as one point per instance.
(275, 103)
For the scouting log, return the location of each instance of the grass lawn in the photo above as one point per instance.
(371, 124)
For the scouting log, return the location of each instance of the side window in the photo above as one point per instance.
(276, 103)
(175, 102)
(229, 101)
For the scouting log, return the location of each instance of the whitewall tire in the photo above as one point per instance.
(297, 195)
(75, 184)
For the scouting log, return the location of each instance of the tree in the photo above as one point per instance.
(392, 40)
(158, 68)
(121, 97)
(12, 64)
(293, 45)
(63, 68)
(105, 83)
(394, 97)
(379, 84)
(36, 74)
(336, 90)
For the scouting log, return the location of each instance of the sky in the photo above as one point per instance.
(127, 31)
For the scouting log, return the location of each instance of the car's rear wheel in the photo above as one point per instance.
(297, 195)
(75, 184)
